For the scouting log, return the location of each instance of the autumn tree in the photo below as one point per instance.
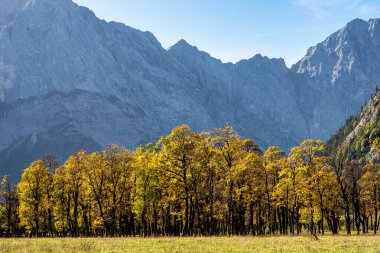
(95, 175)
(339, 162)
(118, 167)
(231, 152)
(32, 191)
(147, 201)
(249, 178)
(51, 163)
(272, 165)
(176, 156)
(311, 165)
(354, 173)
(70, 193)
(207, 187)
(370, 194)
(9, 205)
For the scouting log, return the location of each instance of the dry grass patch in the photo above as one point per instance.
(200, 244)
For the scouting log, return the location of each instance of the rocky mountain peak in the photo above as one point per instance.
(182, 49)
(182, 45)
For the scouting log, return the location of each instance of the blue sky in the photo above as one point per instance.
(232, 30)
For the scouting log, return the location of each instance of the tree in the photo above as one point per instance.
(95, 175)
(370, 194)
(70, 192)
(148, 189)
(51, 163)
(354, 173)
(273, 163)
(249, 178)
(231, 152)
(311, 163)
(118, 167)
(176, 156)
(339, 162)
(32, 191)
(286, 192)
(9, 205)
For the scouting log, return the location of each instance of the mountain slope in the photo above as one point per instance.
(361, 133)
(111, 83)
(69, 81)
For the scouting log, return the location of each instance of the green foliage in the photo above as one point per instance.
(362, 142)
(360, 145)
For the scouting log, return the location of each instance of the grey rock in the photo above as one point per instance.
(70, 81)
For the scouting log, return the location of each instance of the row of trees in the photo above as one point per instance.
(210, 183)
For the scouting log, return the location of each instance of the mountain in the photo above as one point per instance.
(339, 75)
(360, 135)
(256, 96)
(70, 81)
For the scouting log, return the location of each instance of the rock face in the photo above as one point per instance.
(69, 81)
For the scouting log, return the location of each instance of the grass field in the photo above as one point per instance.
(201, 244)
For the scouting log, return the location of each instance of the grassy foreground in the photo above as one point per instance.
(201, 244)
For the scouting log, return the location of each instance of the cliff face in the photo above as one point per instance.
(69, 81)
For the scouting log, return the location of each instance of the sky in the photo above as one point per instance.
(232, 30)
